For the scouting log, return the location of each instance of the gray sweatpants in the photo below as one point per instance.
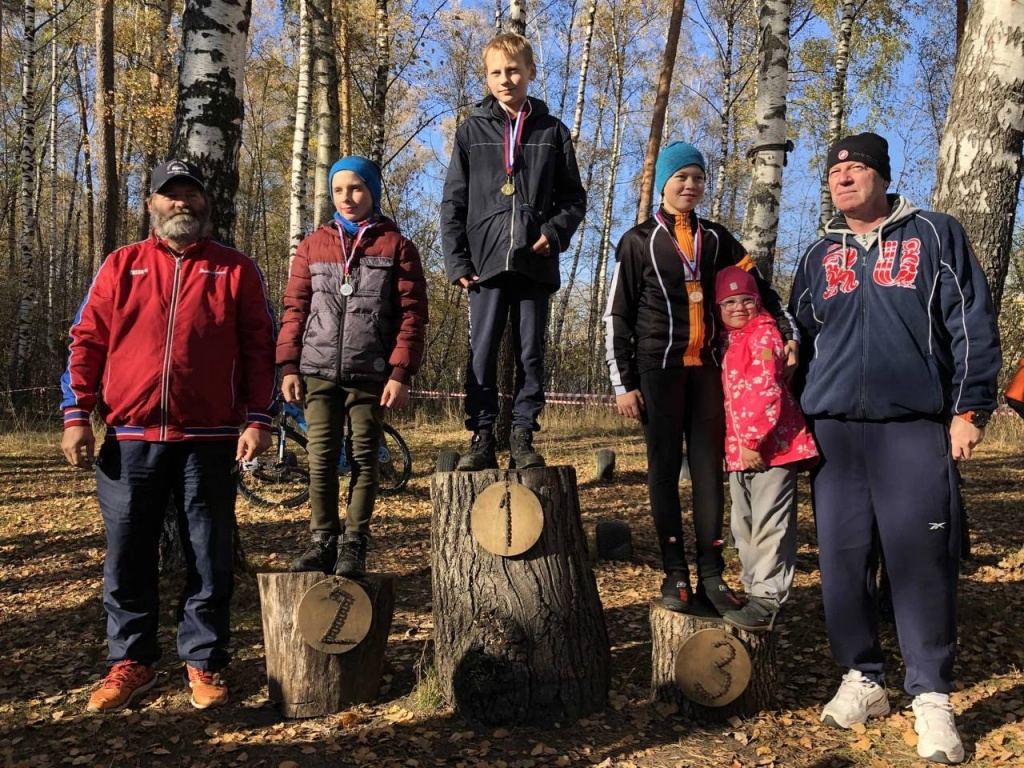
(764, 526)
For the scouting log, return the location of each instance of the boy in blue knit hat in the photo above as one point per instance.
(662, 333)
(352, 336)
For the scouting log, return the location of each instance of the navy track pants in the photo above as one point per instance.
(899, 479)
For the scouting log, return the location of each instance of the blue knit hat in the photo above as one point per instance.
(676, 155)
(367, 170)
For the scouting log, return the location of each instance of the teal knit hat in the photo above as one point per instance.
(676, 155)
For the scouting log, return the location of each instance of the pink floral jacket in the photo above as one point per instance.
(760, 410)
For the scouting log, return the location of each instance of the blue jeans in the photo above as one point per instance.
(134, 481)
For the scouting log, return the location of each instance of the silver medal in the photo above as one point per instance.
(347, 289)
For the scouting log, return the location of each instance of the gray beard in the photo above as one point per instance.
(182, 227)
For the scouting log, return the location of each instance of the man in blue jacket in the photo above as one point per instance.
(903, 354)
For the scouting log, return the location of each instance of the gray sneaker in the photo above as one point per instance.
(758, 615)
(857, 699)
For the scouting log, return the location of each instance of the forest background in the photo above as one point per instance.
(391, 79)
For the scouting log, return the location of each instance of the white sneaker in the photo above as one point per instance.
(937, 738)
(857, 699)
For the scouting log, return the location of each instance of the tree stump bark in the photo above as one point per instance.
(517, 639)
(669, 630)
(303, 681)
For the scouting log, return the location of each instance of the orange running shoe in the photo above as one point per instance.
(208, 688)
(125, 680)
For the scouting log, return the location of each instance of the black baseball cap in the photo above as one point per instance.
(175, 169)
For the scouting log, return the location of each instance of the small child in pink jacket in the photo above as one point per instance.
(766, 444)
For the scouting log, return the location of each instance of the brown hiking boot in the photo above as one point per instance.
(208, 688)
(125, 680)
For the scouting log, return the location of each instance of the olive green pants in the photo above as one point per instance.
(330, 408)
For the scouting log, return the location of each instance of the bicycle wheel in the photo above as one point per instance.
(280, 477)
(395, 461)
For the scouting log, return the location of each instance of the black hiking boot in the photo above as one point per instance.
(758, 615)
(523, 456)
(716, 593)
(352, 555)
(675, 592)
(481, 453)
(320, 555)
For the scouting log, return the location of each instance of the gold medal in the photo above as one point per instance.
(508, 189)
(697, 296)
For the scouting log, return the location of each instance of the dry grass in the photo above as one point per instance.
(52, 625)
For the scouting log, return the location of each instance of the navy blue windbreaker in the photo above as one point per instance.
(901, 330)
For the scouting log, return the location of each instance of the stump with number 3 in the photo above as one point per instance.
(519, 634)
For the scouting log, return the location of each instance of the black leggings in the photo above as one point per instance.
(678, 402)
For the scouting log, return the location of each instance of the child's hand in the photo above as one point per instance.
(542, 247)
(752, 459)
(291, 388)
(792, 359)
(395, 395)
(468, 281)
(631, 405)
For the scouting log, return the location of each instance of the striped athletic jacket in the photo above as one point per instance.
(173, 347)
(650, 322)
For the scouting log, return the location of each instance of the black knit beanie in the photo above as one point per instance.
(868, 148)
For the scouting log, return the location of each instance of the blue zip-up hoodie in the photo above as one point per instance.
(900, 321)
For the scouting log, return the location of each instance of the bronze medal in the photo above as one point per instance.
(697, 296)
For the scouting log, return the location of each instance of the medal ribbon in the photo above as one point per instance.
(345, 255)
(692, 266)
(513, 134)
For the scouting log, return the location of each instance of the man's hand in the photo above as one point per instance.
(468, 281)
(251, 443)
(78, 446)
(291, 388)
(542, 247)
(752, 460)
(631, 405)
(963, 436)
(395, 395)
(792, 359)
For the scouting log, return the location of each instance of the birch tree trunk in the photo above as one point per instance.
(517, 16)
(298, 211)
(325, 54)
(378, 111)
(980, 165)
(837, 118)
(106, 148)
(581, 89)
(346, 81)
(90, 198)
(23, 327)
(51, 251)
(761, 218)
(668, 63)
(208, 121)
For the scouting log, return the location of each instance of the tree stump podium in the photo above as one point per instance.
(305, 681)
(518, 637)
(719, 664)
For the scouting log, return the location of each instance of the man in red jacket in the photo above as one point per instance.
(174, 347)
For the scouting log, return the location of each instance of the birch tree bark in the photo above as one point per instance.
(581, 89)
(668, 63)
(298, 211)
(321, 16)
(346, 80)
(378, 110)
(29, 296)
(517, 17)
(761, 219)
(837, 114)
(208, 121)
(980, 165)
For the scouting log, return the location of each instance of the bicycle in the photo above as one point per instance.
(280, 477)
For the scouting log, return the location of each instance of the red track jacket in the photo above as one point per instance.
(173, 347)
